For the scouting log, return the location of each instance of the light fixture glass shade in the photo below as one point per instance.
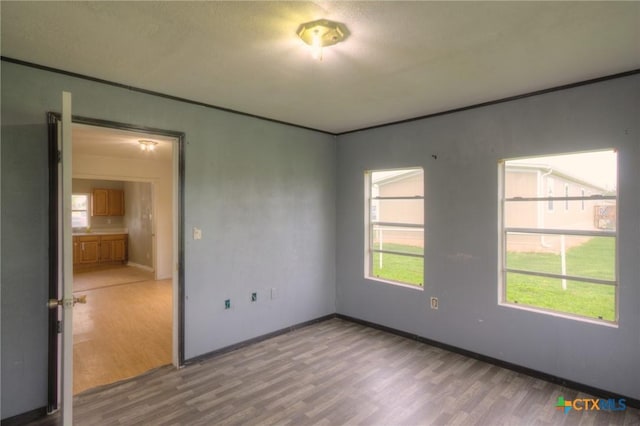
(322, 33)
(147, 145)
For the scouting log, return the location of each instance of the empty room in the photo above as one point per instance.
(371, 213)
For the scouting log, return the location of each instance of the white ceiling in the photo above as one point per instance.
(107, 142)
(402, 59)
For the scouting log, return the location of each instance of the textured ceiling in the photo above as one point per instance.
(402, 59)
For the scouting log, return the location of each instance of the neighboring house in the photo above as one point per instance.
(392, 184)
(539, 180)
(521, 180)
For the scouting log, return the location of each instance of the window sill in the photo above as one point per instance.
(568, 316)
(395, 283)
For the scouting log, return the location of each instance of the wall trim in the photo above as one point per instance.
(41, 412)
(500, 101)
(377, 126)
(153, 93)
(139, 266)
(25, 418)
(257, 339)
(631, 402)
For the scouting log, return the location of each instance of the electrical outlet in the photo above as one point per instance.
(254, 297)
(197, 233)
(434, 303)
(227, 304)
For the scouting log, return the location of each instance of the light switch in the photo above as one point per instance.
(197, 233)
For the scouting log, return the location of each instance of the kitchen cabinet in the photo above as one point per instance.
(113, 248)
(96, 249)
(88, 249)
(115, 202)
(107, 202)
(76, 251)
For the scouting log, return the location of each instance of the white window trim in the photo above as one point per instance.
(89, 201)
(368, 200)
(502, 269)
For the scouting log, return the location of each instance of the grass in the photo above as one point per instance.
(593, 259)
(403, 269)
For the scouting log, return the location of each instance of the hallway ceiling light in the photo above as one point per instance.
(147, 145)
(322, 33)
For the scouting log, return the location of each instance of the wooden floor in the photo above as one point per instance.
(334, 373)
(124, 329)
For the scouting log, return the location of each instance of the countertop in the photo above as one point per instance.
(101, 232)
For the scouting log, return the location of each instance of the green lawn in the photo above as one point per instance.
(593, 259)
(404, 269)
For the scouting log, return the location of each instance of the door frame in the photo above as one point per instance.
(53, 118)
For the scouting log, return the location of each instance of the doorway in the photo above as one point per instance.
(138, 290)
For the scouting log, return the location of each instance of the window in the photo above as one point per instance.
(566, 196)
(564, 264)
(80, 210)
(394, 217)
(550, 194)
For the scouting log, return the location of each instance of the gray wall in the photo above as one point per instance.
(263, 194)
(461, 234)
(138, 216)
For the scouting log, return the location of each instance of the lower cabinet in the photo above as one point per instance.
(88, 249)
(91, 250)
(113, 248)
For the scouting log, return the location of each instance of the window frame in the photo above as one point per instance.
(369, 224)
(88, 209)
(503, 231)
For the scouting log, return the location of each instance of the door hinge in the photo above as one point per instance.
(59, 327)
(59, 156)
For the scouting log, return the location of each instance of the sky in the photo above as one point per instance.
(599, 168)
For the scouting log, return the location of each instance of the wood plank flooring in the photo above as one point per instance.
(334, 373)
(99, 277)
(124, 329)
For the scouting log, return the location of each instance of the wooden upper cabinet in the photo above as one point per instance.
(99, 202)
(107, 202)
(116, 202)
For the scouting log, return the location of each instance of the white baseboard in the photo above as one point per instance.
(137, 265)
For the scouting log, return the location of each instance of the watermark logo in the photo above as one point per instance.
(591, 404)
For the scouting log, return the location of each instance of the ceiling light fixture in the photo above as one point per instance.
(147, 145)
(321, 33)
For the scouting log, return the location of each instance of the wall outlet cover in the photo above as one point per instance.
(197, 233)
(434, 303)
(227, 304)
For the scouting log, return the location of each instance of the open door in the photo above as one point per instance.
(61, 298)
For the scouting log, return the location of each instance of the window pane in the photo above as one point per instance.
(580, 298)
(393, 267)
(394, 238)
(397, 183)
(595, 172)
(79, 202)
(586, 215)
(79, 219)
(398, 211)
(588, 257)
